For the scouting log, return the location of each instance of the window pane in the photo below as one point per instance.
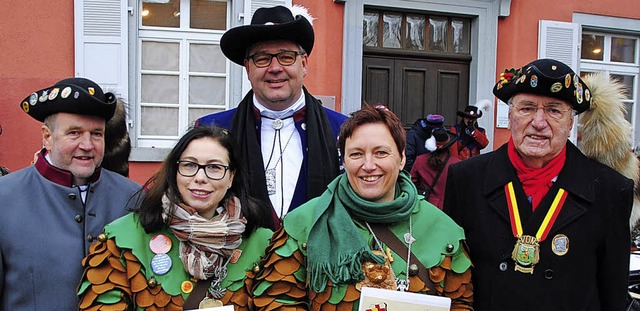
(592, 47)
(438, 34)
(195, 113)
(161, 13)
(461, 36)
(160, 89)
(391, 30)
(623, 50)
(370, 29)
(159, 121)
(206, 58)
(415, 32)
(207, 91)
(160, 56)
(627, 81)
(209, 14)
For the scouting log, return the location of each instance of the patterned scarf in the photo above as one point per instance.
(336, 247)
(536, 182)
(205, 243)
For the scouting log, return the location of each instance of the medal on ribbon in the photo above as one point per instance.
(526, 252)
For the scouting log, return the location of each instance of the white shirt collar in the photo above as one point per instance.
(297, 105)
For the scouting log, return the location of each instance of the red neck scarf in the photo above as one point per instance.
(536, 182)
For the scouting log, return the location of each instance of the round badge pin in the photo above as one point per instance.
(186, 287)
(556, 87)
(25, 106)
(33, 99)
(560, 244)
(534, 81)
(161, 264)
(65, 92)
(160, 244)
(76, 95)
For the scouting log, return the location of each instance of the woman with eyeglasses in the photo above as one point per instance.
(193, 240)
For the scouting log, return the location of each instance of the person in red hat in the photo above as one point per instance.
(471, 137)
(287, 138)
(54, 210)
(547, 227)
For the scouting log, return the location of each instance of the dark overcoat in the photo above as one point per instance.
(593, 273)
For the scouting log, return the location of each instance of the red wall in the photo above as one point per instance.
(36, 41)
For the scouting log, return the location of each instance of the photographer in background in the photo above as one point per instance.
(471, 137)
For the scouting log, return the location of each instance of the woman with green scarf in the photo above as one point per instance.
(369, 228)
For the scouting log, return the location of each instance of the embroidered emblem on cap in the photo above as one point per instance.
(33, 99)
(44, 96)
(54, 93)
(65, 92)
(524, 77)
(579, 91)
(76, 95)
(587, 95)
(534, 81)
(556, 87)
(567, 80)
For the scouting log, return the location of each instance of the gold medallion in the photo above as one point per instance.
(526, 253)
(209, 303)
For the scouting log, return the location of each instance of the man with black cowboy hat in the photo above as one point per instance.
(279, 119)
(547, 227)
(471, 138)
(55, 209)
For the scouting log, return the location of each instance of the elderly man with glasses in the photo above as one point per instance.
(547, 227)
(279, 119)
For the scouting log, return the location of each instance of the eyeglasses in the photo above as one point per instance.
(553, 112)
(212, 171)
(285, 58)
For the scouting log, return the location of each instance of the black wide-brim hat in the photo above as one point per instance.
(73, 95)
(470, 112)
(267, 24)
(546, 77)
(442, 135)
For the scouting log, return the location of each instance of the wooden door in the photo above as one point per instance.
(413, 88)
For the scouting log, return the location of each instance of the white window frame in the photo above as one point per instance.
(106, 51)
(619, 27)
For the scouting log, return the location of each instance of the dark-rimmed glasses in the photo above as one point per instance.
(285, 58)
(212, 171)
(551, 111)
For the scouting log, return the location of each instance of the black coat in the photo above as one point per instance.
(592, 275)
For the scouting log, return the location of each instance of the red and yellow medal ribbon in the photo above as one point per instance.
(549, 219)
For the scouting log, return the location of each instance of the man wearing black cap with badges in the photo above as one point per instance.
(547, 227)
(279, 119)
(55, 209)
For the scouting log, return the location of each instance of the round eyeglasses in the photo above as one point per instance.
(212, 171)
(528, 111)
(285, 58)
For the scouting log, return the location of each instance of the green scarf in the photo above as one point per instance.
(336, 249)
